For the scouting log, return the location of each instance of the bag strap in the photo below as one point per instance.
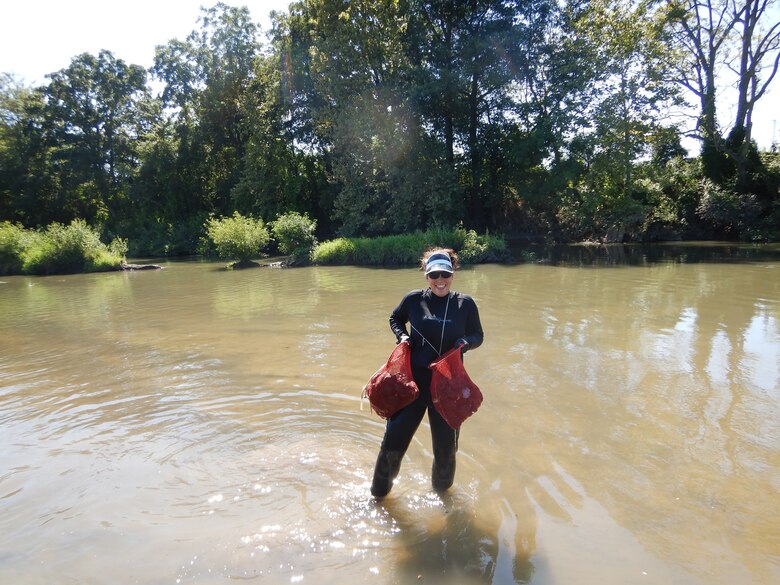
(443, 325)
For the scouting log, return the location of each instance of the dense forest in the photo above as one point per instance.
(544, 120)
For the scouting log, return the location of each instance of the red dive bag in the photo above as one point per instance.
(392, 387)
(453, 393)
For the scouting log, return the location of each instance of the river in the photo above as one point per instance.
(198, 425)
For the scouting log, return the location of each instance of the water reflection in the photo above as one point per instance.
(207, 424)
(644, 255)
(443, 538)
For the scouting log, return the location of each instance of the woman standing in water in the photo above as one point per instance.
(439, 320)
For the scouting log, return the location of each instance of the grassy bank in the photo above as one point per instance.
(75, 248)
(405, 250)
(58, 249)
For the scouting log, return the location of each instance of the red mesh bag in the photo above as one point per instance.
(392, 387)
(453, 393)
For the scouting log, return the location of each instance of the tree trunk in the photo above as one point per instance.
(449, 127)
(475, 199)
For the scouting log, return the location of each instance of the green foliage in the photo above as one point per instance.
(377, 163)
(660, 218)
(14, 240)
(58, 249)
(93, 112)
(540, 119)
(206, 80)
(725, 210)
(768, 228)
(295, 235)
(477, 249)
(339, 251)
(666, 145)
(237, 238)
(118, 247)
(405, 250)
(159, 237)
(73, 248)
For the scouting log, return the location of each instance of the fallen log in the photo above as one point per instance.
(126, 266)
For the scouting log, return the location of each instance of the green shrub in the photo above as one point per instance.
(65, 249)
(58, 249)
(725, 209)
(338, 251)
(118, 247)
(294, 234)
(73, 248)
(237, 238)
(476, 249)
(105, 259)
(14, 240)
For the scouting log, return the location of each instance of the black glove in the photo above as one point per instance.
(461, 341)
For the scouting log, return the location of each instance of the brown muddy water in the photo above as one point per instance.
(196, 425)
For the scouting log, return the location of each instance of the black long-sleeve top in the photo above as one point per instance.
(431, 334)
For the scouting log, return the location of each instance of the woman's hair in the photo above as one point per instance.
(449, 251)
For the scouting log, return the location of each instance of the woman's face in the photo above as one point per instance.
(440, 285)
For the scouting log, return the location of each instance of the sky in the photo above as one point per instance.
(38, 37)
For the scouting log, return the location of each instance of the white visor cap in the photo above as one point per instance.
(438, 262)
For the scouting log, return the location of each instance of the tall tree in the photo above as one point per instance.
(758, 53)
(206, 79)
(740, 35)
(553, 73)
(346, 69)
(28, 189)
(466, 54)
(278, 175)
(705, 27)
(632, 92)
(92, 118)
(433, 47)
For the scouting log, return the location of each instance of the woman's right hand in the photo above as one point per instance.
(463, 344)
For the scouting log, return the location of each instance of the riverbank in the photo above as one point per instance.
(77, 248)
(405, 250)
